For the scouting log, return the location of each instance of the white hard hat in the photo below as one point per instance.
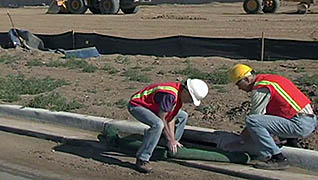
(198, 89)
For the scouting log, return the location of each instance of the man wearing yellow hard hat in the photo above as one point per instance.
(279, 108)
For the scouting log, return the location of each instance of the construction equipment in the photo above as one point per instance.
(271, 6)
(95, 6)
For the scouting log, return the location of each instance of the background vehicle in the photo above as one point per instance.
(271, 6)
(95, 6)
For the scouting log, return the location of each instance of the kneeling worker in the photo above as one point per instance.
(279, 108)
(159, 106)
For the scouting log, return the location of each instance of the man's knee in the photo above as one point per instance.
(158, 125)
(251, 120)
(182, 117)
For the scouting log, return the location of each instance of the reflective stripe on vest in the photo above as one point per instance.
(280, 91)
(150, 91)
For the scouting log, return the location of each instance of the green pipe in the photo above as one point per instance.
(210, 155)
(130, 144)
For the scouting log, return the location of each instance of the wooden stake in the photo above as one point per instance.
(262, 53)
(73, 39)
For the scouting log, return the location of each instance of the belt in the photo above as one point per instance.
(306, 114)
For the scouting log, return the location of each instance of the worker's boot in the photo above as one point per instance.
(276, 162)
(292, 142)
(143, 166)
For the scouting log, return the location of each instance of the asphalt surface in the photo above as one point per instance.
(60, 133)
(60, 157)
(12, 172)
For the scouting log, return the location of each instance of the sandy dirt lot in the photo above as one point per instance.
(102, 92)
(41, 159)
(210, 20)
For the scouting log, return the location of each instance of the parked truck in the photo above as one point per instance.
(271, 6)
(95, 6)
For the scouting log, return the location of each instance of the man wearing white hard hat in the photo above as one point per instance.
(159, 106)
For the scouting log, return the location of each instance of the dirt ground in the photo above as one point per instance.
(41, 159)
(101, 92)
(208, 20)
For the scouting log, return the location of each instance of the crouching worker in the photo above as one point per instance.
(159, 106)
(279, 108)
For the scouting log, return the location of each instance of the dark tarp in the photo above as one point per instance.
(181, 46)
(25, 39)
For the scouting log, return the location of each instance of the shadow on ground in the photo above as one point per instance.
(109, 152)
(105, 155)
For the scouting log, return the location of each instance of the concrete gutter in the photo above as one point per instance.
(303, 158)
(306, 159)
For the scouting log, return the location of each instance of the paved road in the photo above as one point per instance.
(13, 172)
(12, 175)
(23, 157)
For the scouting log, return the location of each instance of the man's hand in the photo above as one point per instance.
(173, 146)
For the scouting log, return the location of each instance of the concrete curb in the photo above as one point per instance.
(91, 123)
(306, 159)
(303, 158)
(248, 172)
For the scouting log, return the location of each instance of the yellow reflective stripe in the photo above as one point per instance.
(150, 91)
(281, 91)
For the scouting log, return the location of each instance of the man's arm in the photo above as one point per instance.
(168, 131)
(167, 105)
(259, 100)
(169, 134)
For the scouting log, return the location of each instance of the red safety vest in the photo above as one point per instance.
(146, 98)
(286, 99)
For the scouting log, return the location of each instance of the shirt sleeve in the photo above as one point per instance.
(165, 100)
(260, 100)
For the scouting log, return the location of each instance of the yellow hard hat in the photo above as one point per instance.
(239, 71)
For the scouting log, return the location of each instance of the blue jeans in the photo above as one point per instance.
(152, 135)
(261, 127)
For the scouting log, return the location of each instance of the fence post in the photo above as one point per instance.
(262, 51)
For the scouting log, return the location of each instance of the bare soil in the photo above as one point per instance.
(41, 159)
(100, 91)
